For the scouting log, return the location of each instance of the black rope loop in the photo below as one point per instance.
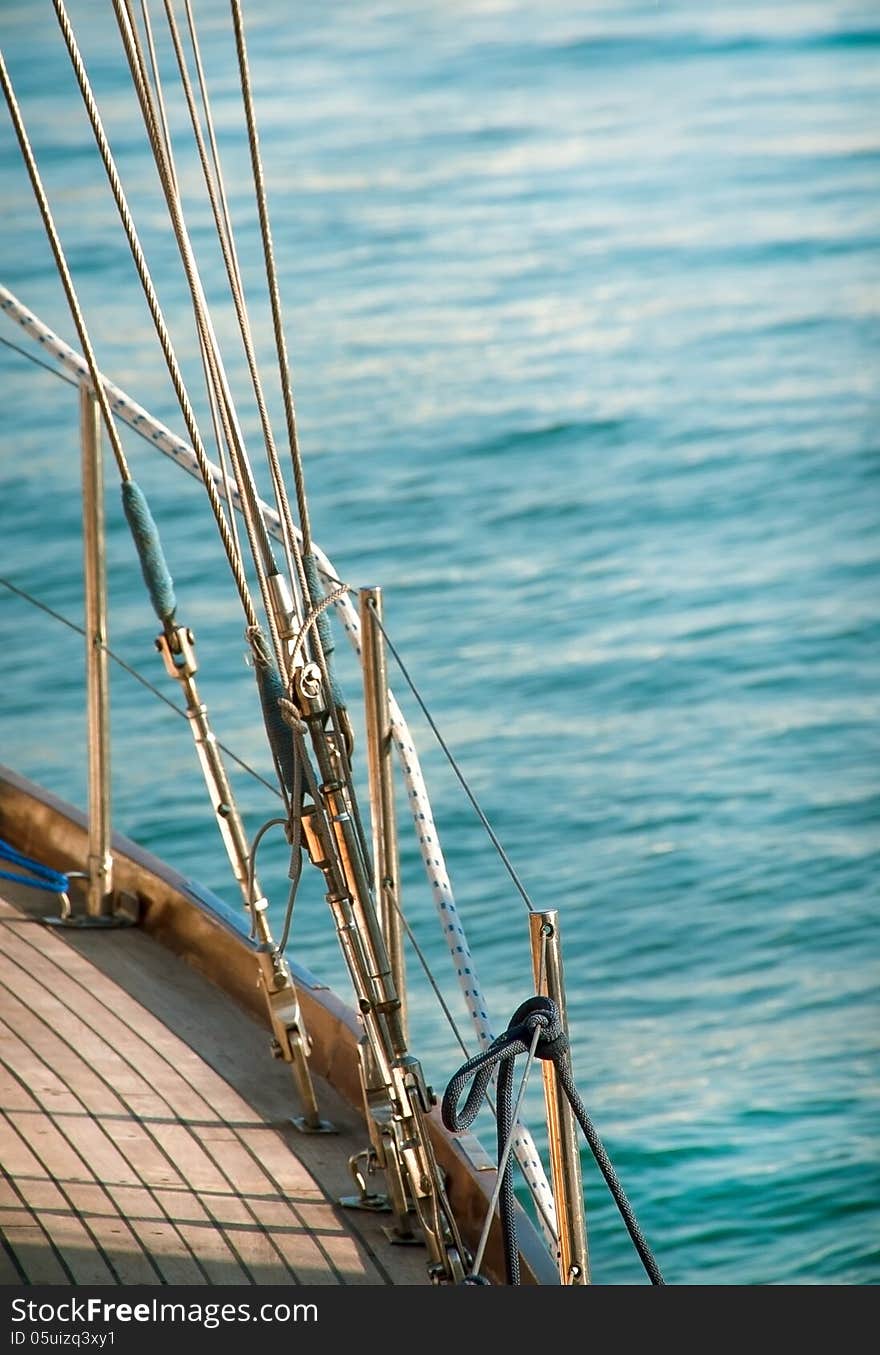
(478, 1071)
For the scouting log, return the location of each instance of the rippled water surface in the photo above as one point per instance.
(582, 302)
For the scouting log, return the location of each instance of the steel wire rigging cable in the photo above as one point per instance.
(216, 190)
(493, 836)
(261, 552)
(228, 540)
(218, 389)
(333, 759)
(61, 264)
(245, 495)
(224, 748)
(322, 641)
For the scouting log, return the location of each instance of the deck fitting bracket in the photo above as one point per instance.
(398, 1239)
(82, 922)
(361, 1165)
(123, 914)
(304, 1125)
(289, 1040)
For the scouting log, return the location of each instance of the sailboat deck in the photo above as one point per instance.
(145, 1130)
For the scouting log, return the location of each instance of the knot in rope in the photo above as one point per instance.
(291, 716)
(259, 646)
(541, 1013)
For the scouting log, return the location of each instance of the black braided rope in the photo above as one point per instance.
(540, 1012)
(603, 1162)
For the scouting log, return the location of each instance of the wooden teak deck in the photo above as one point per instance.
(145, 1134)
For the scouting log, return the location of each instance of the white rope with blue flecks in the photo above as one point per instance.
(430, 849)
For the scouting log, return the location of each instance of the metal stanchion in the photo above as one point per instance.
(99, 910)
(378, 736)
(565, 1161)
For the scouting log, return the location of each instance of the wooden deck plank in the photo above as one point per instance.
(143, 1155)
(168, 1061)
(170, 1244)
(349, 1258)
(257, 1250)
(218, 1095)
(42, 1194)
(101, 1215)
(14, 1095)
(189, 1215)
(18, 1160)
(214, 1255)
(32, 1248)
(125, 1156)
(319, 1219)
(156, 1063)
(266, 1145)
(76, 1247)
(9, 1272)
(130, 1261)
(134, 1034)
(28, 1239)
(303, 1252)
(60, 1160)
(205, 1240)
(136, 1202)
(163, 1242)
(181, 1143)
(260, 1194)
(245, 1174)
(68, 1230)
(90, 1197)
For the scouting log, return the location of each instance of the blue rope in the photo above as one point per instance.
(49, 879)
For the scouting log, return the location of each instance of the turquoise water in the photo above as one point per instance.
(582, 302)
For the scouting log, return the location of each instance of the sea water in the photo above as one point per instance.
(582, 308)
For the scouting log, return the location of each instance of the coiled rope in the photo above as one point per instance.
(538, 1014)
